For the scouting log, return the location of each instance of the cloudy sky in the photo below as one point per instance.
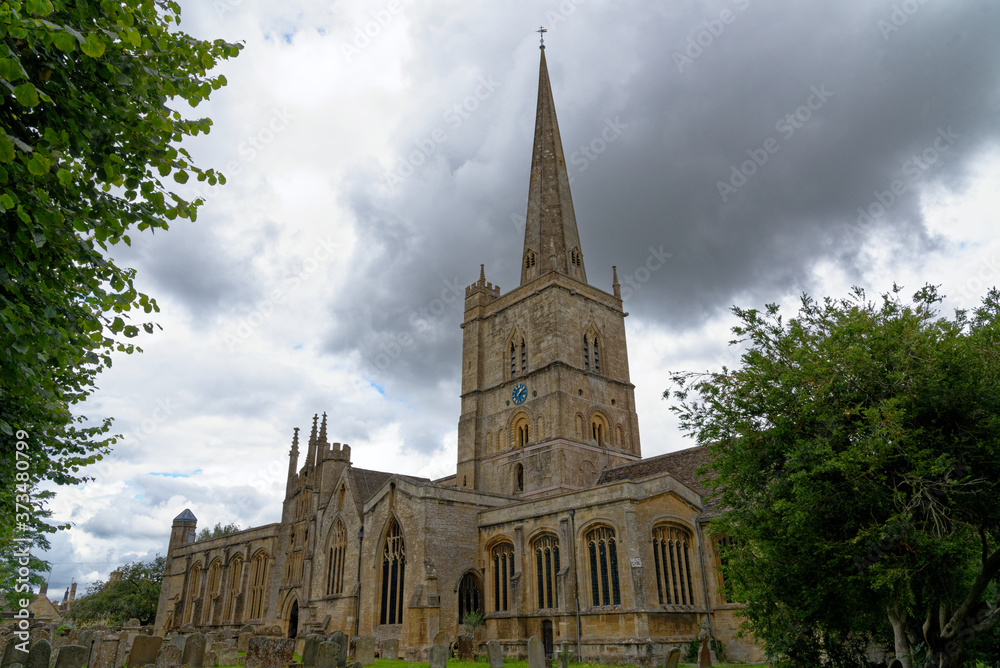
(378, 152)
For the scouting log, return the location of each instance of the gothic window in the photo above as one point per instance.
(513, 361)
(393, 570)
(258, 580)
(673, 566)
(603, 549)
(576, 258)
(519, 478)
(503, 570)
(212, 591)
(524, 358)
(597, 357)
(234, 587)
(529, 259)
(599, 429)
(335, 563)
(521, 431)
(591, 351)
(722, 547)
(546, 567)
(470, 596)
(194, 585)
(517, 345)
(586, 353)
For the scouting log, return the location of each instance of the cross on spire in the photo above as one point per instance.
(541, 35)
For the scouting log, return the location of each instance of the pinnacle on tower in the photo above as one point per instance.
(322, 430)
(551, 239)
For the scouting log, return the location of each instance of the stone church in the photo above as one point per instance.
(553, 525)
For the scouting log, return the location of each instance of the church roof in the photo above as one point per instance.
(550, 229)
(366, 482)
(186, 516)
(682, 465)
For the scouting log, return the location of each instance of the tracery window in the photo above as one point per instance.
(393, 571)
(212, 591)
(722, 545)
(258, 580)
(234, 586)
(194, 585)
(335, 561)
(503, 570)
(546, 567)
(470, 596)
(671, 550)
(603, 549)
(518, 344)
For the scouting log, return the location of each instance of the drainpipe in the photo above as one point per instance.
(704, 575)
(576, 579)
(357, 603)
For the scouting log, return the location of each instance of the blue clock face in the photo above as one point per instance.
(519, 394)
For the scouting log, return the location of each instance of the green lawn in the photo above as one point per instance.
(511, 663)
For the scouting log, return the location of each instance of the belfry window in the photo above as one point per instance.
(513, 361)
(546, 567)
(529, 259)
(604, 585)
(597, 358)
(519, 478)
(586, 353)
(335, 564)
(521, 434)
(393, 570)
(524, 358)
(503, 570)
(672, 564)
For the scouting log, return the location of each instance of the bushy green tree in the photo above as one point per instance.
(131, 591)
(217, 531)
(90, 134)
(856, 451)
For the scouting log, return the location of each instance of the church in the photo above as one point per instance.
(553, 524)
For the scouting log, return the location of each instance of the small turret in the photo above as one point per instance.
(616, 287)
(183, 530)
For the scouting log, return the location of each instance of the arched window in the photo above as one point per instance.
(586, 352)
(599, 429)
(393, 570)
(603, 548)
(519, 478)
(673, 566)
(546, 567)
(194, 586)
(234, 587)
(597, 357)
(212, 591)
(513, 360)
(529, 259)
(524, 358)
(470, 596)
(335, 561)
(591, 351)
(258, 581)
(521, 431)
(503, 570)
(621, 436)
(517, 346)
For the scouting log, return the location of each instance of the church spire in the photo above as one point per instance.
(551, 240)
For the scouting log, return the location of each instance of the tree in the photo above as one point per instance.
(217, 531)
(131, 591)
(89, 151)
(856, 452)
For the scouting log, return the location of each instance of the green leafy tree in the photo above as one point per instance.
(217, 531)
(89, 152)
(856, 451)
(131, 591)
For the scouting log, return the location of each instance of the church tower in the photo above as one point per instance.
(546, 399)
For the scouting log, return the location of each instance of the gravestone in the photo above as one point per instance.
(194, 651)
(227, 656)
(356, 664)
(105, 653)
(495, 653)
(244, 641)
(217, 646)
(390, 649)
(896, 663)
(265, 652)
(673, 659)
(536, 653)
(12, 655)
(247, 628)
(209, 659)
(704, 654)
(364, 650)
(39, 655)
(311, 649)
(441, 638)
(178, 642)
(327, 655)
(72, 656)
(564, 655)
(466, 647)
(340, 638)
(144, 649)
(169, 656)
(86, 639)
(439, 656)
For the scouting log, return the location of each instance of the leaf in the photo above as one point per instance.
(11, 70)
(39, 7)
(26, 94)
(93, 46)
(6, 148)
(64, 41)
(39, 165)
(181, 177)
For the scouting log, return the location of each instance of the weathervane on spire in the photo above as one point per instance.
(541, 35)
